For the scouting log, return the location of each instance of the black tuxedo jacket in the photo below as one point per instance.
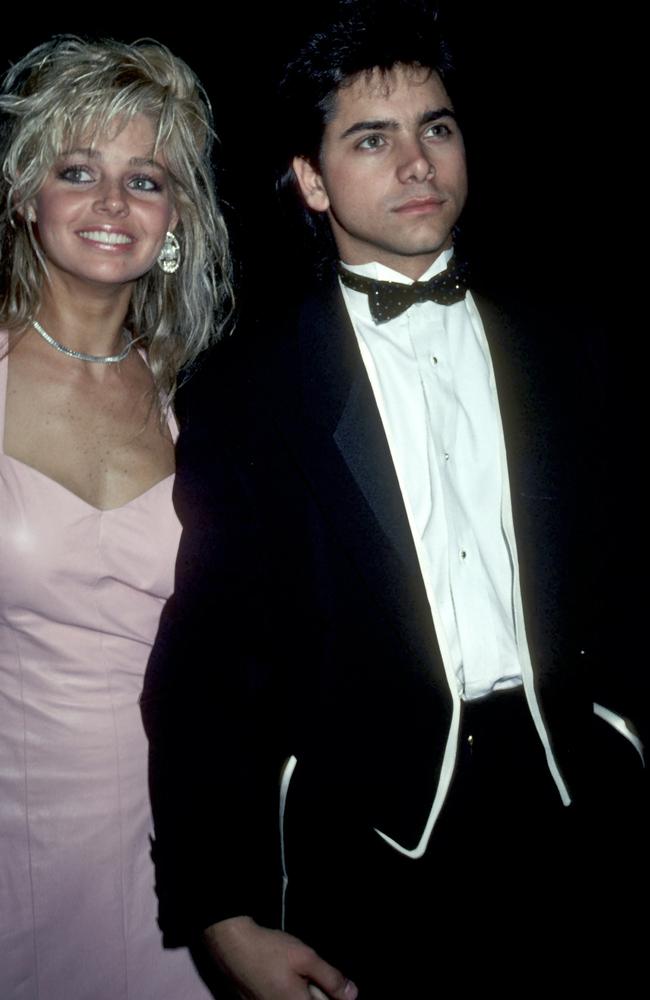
(300, 624)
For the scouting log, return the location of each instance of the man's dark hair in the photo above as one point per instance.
(361, 36)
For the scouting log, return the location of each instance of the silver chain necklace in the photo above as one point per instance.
(100, 359)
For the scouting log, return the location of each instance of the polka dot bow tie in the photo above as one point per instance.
(388, 299)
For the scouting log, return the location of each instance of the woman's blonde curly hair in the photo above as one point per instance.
(69, 90)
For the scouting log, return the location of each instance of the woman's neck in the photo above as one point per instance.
(90, 320)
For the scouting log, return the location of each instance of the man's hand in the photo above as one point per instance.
(267, 964)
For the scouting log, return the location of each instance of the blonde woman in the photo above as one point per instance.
(113, 277)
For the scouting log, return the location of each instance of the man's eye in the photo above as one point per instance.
(144, 183)
(438, 130)
(76, 175)
(372, 142)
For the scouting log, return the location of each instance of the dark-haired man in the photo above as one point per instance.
(373, 748)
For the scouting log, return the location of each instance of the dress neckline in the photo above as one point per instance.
(54, 483)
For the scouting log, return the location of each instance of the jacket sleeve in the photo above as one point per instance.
(211, 696)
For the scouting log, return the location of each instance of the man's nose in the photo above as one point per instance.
(415, 163)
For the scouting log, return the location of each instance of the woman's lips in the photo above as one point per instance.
(107, 239)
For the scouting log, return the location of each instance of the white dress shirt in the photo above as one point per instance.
(432, 377)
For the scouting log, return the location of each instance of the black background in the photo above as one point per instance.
(550, 124)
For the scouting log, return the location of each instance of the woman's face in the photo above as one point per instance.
(103, 211)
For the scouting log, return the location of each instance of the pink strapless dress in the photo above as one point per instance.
(81, 591)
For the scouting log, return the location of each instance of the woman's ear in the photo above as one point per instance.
(27, 212)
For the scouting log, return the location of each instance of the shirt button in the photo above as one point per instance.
(446, 456)
(463, 554)
(434, 360)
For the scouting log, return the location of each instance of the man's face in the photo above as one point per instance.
(392, 175)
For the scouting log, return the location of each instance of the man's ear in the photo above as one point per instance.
(311, 185)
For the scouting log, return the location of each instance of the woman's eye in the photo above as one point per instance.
(76, 175)
(372, 142)
(143, 183)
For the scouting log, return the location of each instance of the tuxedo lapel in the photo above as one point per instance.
(361, 440)
(331, 421)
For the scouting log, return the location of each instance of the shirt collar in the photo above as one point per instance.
(379, 272)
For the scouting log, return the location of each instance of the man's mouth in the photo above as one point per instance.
(424, 205)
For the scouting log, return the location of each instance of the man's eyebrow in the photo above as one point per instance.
(434, 116)
(372, 125)
(391, 125)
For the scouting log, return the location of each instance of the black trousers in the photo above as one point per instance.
(514, 890)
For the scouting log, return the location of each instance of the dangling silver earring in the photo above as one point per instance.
(31, 214)
(169, 258)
